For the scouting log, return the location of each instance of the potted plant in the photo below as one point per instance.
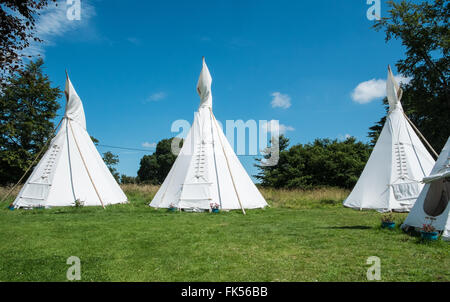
(79, 203)
(172, 208)
(215, 208)
(428, 232)
(387, 221)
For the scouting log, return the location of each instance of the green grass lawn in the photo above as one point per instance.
(304, 236)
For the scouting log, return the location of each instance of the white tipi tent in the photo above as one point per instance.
(207, 171)
(391, 178)
(71, 169)
(433, 205)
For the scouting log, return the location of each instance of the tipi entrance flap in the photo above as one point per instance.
(35, 191)
(437, 198)
(195, 195)
(196, 191)
(406, 191)
(37, 188)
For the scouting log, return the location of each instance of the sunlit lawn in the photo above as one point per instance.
(303, 236)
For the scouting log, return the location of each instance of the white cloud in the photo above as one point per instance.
(272, 125)
(374, 89)
(148, 145)
(157, 96)
(281, 100)
(53, 23)
(344, 137)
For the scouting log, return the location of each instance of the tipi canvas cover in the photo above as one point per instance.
(71, 170)
(207, 171)
(433, 205)
(391, 178)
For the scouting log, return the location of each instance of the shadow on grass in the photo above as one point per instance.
(330, 202)
(349, 227)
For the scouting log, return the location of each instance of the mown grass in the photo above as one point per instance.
(303, 236)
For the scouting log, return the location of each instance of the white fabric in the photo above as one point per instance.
(406, 191)
(442, 168)
(436, 188)
(61, 178)
(74, 107)
(393, 92)
(200, 175)
(391, 178)
(204, 86)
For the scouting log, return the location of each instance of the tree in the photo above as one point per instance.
(324, 162)
(148, 170)
(17, 25)
(95, 141)
(124, 179)
(154, 168)
(27, 106)
(424, 30)
(111, 160)
(270, 174)
(165, 158)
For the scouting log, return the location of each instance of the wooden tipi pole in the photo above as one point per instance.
(228, 163)
(421, 136)
(84, 163)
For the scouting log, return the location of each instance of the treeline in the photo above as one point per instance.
(324, 162)
(154, 168)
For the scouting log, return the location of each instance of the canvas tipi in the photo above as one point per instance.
(207, 171)
(391, 178)
(433, 205)
(71, 170)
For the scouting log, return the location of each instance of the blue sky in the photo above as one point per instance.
(135, 65)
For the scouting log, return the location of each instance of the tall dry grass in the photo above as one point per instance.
(279, 198)
(140, 192)
(5, 190)
(319, 197)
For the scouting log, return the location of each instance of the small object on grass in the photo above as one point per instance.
(11, 207)
(387, 221)
(79, 203)
(388, 225)
(172, 208)
(215, 207)
(428, 232)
